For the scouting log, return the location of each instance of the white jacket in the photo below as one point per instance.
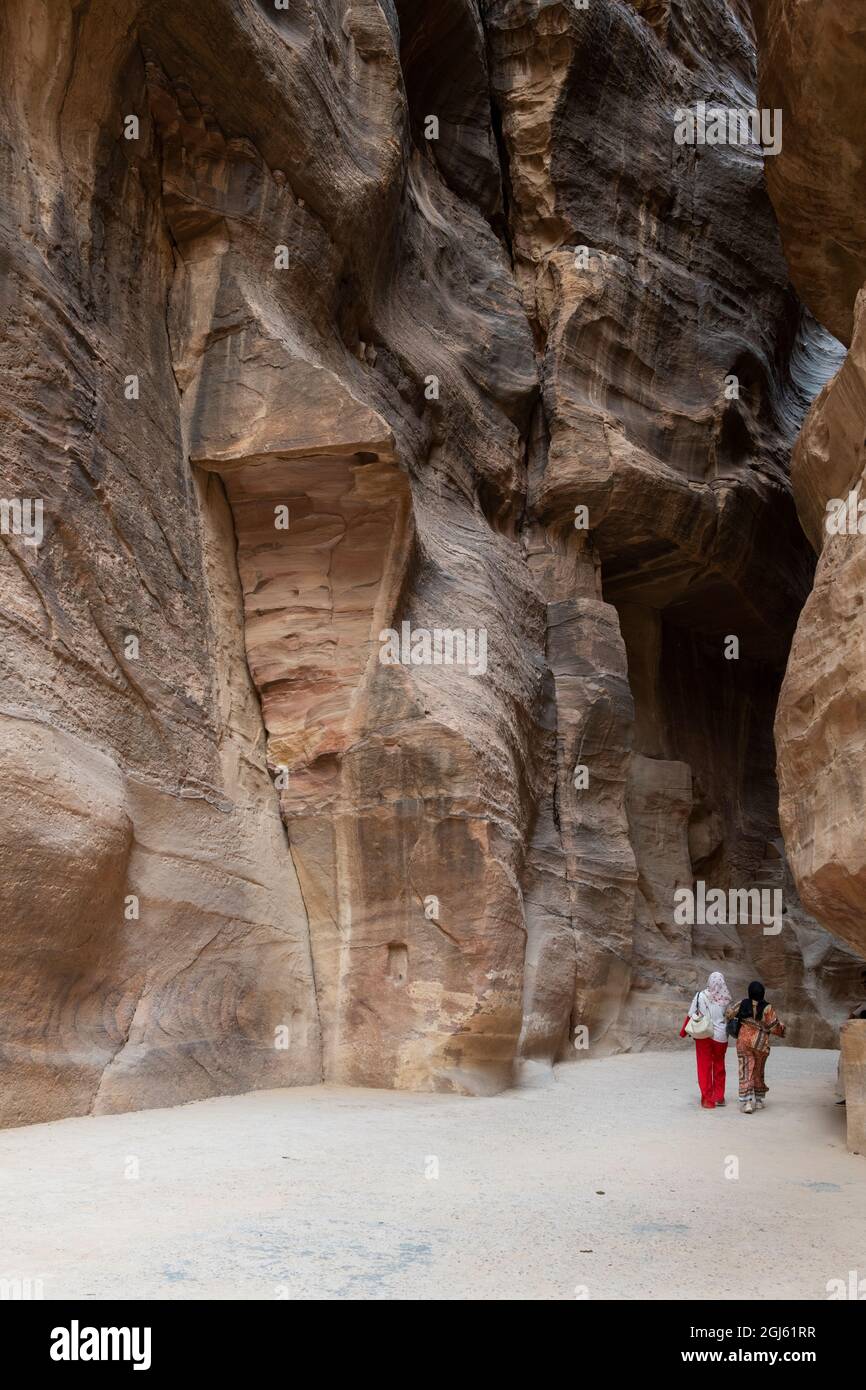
(715, 1011)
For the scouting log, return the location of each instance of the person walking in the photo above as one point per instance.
(754, 1020)
(710, 1003)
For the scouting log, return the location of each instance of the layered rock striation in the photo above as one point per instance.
(811, 60)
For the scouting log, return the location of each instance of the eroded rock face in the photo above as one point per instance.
(853, 1040)
(811, 61)
(689, 505)
(290, 377)
(819, 726)
(154, 935)
(812, 58)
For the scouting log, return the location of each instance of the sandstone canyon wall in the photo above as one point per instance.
(813, 59)
(286, 374)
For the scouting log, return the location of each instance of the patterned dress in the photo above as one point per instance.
(753, 1047)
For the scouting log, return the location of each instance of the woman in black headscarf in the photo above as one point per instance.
(752, 1021)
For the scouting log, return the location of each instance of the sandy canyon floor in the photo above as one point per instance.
(610, 1181)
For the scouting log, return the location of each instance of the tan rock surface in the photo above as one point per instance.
(154, 935)
(812, 59)
(853, 1039)
(811, 63)
(821, 721)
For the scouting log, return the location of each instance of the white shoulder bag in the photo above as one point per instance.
(701, 1026)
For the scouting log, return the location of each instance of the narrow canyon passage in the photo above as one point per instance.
(319, 335)
(432, 667)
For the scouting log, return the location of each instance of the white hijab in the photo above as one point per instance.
(717, 990)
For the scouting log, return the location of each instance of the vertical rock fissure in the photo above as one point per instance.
(502, 223)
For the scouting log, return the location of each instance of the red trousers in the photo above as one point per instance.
(710, 1057)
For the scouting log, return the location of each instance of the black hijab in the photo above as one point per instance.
(756, 997)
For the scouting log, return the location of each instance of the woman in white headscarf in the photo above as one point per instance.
(709, 1004)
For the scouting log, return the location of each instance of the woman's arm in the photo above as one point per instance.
(693, 1008)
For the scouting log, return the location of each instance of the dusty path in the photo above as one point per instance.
(608, 1179)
